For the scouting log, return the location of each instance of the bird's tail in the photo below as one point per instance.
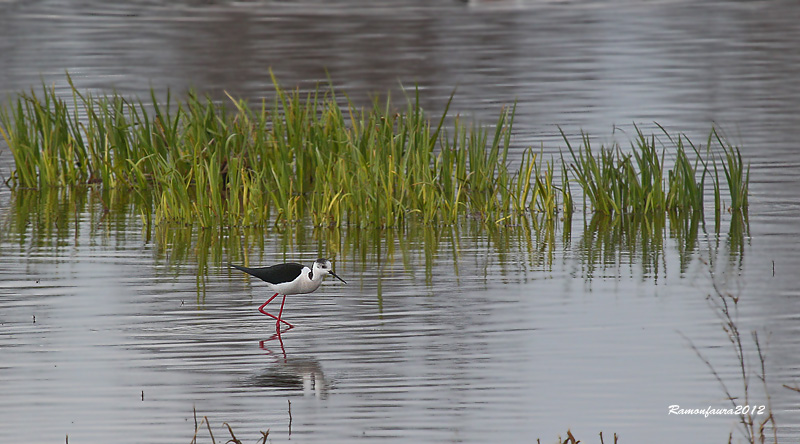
(257, 272)
(239, 267)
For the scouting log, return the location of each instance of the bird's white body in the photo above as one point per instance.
(301, 284)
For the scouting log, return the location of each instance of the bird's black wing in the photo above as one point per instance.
(275, 274)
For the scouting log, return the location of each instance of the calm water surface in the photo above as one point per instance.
(114, 332)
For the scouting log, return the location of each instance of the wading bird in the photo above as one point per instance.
(289, 279)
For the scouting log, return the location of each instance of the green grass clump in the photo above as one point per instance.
(737, 175)
(318, 157)
(300, 156)
(638, 182)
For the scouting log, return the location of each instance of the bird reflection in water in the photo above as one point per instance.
(291, 373)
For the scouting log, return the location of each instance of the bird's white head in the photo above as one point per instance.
(322, 267)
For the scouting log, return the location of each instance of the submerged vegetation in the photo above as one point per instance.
(205, 425)
(321, 158)
(625, 244)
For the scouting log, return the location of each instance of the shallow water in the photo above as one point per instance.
(114, 332)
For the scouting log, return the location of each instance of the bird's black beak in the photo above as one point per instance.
(337, 277)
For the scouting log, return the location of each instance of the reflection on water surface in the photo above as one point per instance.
(435, 317)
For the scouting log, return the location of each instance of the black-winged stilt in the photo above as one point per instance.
(288, 279)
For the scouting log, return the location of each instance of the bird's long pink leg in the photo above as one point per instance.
(278, 318)
(278, 324)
